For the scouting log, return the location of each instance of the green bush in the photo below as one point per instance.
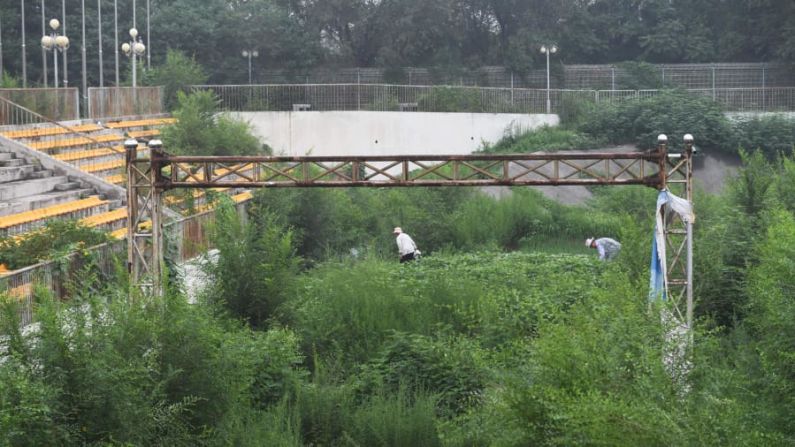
(201, 130)
(177, 74)
(674, 113)
(56, 238)
(256, 265)
(451, 99)
(546, 138)
(772, 135)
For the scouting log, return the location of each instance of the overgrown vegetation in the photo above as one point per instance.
(507, 332)
(57, 238)
(176, 74)
(201, 130)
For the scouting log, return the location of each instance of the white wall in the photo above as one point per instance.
(385, 133)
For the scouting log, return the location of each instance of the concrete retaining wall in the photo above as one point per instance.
(385, 133)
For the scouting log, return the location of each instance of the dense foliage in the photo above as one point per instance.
(57, 238)
(201, 130)
(175, 74)
(448, 34)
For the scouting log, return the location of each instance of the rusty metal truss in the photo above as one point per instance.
(149, 178)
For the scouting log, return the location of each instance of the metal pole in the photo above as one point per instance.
(134, 69)
(249, 67)
(83, 53)
(99, 22)
(135, 24)
(713, 83)
(689, 189)
(65, 64)
(43, 50)
(1, 55)
(549, 103)
(116, 36)
(148, 40)
(764, 85)
(24, 56)
(55, 63)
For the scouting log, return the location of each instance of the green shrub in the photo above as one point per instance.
(201, 130)
(177, 74)
(546, 138)
(56, 238)
(255, 268)
(674, 113)
(448, 369)
(772, 135)
(451, 99)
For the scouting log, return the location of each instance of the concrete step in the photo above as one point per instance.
(38, 201)
(15, 173)
(13, 163)
(41, 174)
(67, 186)
(14, 190)
(4, 156)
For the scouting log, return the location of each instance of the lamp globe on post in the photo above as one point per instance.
(250, 54)
(55, 43)
(547, 50)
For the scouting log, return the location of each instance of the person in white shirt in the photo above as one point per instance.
(407, 249)
(607, 248)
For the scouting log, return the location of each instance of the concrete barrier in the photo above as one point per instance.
(385, 133)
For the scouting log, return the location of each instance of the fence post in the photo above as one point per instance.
(358, 90)
(713, 82)
(613, 77)
(511, 88)
(764, 85)
(77, 104)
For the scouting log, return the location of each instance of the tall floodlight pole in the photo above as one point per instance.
(24, 56)
(547, 50)
(133, 49)
(116, 36)
(1, 50)
(249, 54)
(99, 27)
(43, 50)
(55, 43)
(83, 53)
(148, 40)
(65, 65)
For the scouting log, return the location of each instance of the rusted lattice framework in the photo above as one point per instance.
(149, 177)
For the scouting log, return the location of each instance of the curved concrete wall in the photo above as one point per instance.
(385, 133)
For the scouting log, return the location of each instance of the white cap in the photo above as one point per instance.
(397, 230)
(589, 241)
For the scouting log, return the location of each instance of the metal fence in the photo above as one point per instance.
(380, 97)
(124, 101)
(57, 104)
(188, 238)
(577, 77)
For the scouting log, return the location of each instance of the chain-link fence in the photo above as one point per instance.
(624, 76)
(402, 98)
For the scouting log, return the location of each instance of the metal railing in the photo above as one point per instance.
(382, 97)
(592, 77)
(188, 237)
(55, 104)
(124, 101)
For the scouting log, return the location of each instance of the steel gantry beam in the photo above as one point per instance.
(149, 177)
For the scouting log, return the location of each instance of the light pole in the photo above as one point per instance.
(249, 54)
(133, 49)
(547, 50)
(55, 43)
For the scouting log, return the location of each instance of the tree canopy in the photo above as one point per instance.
(301, 34)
